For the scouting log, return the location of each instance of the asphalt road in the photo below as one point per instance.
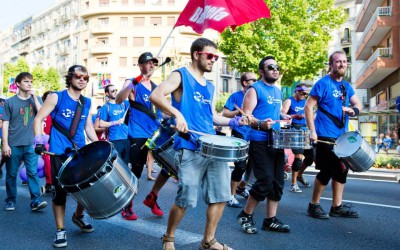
(378, 202)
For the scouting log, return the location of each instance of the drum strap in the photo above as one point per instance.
(138, 106)
(335, 120)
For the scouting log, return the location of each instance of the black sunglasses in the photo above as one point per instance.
(254, 80)
(273, 67)
(114, 90)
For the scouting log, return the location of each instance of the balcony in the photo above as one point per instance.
(369, 7)
(380, 65)
(101, 49)
(102, 29)
(378, 26)
(345, 41)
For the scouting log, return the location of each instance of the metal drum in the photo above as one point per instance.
(98, 179)
(354, 151)
(161, 145)
(222, 148)
(291, 139)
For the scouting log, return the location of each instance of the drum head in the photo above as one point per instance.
(347, 144)
(82, 165)
(223, 141)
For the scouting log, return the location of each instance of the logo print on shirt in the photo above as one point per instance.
(336, 93)
(297, 109)
(67, 113)
(199, 98)
(146, 98)
(26, 112)
(116, 112)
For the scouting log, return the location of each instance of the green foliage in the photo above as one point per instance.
(12, 70)
(53, 78)
(297, 34)
(219, 105)
(384, 161)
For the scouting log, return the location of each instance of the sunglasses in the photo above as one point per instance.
(273, 67)
(304, 93)
(209, 55)
(114, 90)
(254, 80)
(79, 76)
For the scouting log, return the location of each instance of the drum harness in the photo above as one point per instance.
(334, 119)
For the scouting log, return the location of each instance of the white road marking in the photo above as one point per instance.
(365, 203)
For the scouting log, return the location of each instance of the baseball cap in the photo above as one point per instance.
(145, 57)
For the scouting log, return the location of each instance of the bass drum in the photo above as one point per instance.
(98, 179)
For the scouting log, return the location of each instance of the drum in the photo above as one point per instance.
(161, 145)
(291, 139)
(222, 148)
(354, 151)
(98, 179)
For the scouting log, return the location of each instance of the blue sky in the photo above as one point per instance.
(14, 11)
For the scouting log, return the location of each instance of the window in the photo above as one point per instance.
(170, 2)
(171, 21)
(124, 2)
(124, 22)
(141, 2)
(123, 41)
(103, 21)
(346, 36)
(156, 2)
(86, 44)
(135, 61)
(138, 41)
(102, 41)
(138, 21)
(155, 21)
(155, 41)
(123, 61)
(102, 62)
(103, 3)
(225, 85)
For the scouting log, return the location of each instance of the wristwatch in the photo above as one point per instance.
(259, 125)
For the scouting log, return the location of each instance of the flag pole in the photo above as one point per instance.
(165, 42)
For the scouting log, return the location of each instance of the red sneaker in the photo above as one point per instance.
(128, 214)
(151, 202)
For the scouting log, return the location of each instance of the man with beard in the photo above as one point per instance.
(111, 116)
(68, 108)
(263, 100)
(332, 95)
(192, 99)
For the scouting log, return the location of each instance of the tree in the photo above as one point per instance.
(39, 78)
(221, 100)
(297, 35)
(11, 70)
(53, 79)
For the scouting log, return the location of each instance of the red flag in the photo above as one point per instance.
(219, 14)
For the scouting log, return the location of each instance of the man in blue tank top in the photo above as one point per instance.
(333, 96)
(112, 117)
(236, 99)
(144, 119)
(62, 106)
(192, 108)
(294, 106)
(263, 100)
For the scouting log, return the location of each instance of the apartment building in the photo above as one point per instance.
(107, 36)
(378, 48)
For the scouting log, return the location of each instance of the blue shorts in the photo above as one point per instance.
(195, 171)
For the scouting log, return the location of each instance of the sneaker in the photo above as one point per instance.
(151, 202)
(317, 212)
(233, 202)
(303, 181)
(295, 189)
(343, 211)
(10, 206)
(49, 190)
(24, 183)
(273, 224)
(128, 214)
(1, 173)
(82, 223)
(242, 192)
(61, 239)
(37, 205)
(247, 223)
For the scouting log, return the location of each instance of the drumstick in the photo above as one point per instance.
(242, 112)
(49, 153)
(192, 131)
(327, 142)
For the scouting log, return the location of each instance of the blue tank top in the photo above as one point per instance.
(63, 113)
(297, 108)
(113, 112)
(269, 103)
(196, 106)
(140, 124)
(236, 98)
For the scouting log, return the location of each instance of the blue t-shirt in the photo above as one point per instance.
(269, 103)
(1, 118)
(196, 107)
(63, 113)
(113, 112)
(297, 108)
(329, 96)
(140, 124)
(398, 103)
(236, 98)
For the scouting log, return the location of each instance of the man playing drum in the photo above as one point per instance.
(69, 111)
(333, 95)
(192, 107)
(294, 106)
(263, 100)
(238, 186)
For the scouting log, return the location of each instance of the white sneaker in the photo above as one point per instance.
(295, 189)
(233, 202)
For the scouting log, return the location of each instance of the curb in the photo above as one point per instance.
(365, 175)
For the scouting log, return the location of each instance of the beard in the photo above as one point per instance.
(271, 80)
(340, 72)
(76, 87)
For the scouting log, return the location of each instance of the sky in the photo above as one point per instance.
(14, 11)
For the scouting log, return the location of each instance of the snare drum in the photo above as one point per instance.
(98, 179)
(354, 151)
(291, 139)
(161, 145)
(222, 148)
